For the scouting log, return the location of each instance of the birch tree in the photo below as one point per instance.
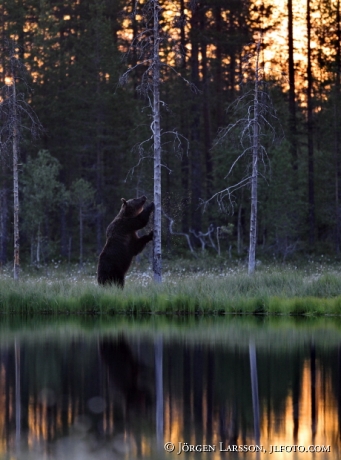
(256, 122)
(156, 129)
(146, 48)
(15, 114)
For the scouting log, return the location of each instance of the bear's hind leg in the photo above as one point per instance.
(118, 280)
(108, 280)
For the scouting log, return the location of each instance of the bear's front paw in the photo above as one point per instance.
(151, 206)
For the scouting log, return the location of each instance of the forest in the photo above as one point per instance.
(75, 98)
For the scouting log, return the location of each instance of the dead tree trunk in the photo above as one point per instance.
(157, 260)
(15, 114)
(15, 151)
(254, 174)
(255, 125)
(147, 43)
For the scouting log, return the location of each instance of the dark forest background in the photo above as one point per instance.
(96, 146)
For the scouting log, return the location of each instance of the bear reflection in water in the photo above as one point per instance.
(129, 378)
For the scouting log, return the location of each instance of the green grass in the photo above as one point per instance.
(278, 332)
(195, 287)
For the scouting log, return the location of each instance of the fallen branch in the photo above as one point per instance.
(201, 237)
(172, 232)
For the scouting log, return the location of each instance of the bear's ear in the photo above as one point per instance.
(124, 201)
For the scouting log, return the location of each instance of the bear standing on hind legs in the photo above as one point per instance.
(123, 242)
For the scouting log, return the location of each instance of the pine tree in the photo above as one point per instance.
(42, 193)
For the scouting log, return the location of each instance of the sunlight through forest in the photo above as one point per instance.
(83, 123)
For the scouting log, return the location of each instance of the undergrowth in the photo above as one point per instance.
(188, 288)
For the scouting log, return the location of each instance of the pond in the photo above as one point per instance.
(166, 388)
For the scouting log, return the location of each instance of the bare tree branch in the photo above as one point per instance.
(172, 232)
(201, 237)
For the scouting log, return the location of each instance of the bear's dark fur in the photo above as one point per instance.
(122, 241)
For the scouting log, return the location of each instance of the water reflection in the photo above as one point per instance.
(124, 395)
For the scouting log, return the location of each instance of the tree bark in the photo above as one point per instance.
(184, 125)
(311, 192)
(81, 232)
(206, 111)
(3, 224)
(254, 177)
(15, 150)
(157, 259)
(196, 163)
(240, 227)
(292, 95)
(218, 20)
(337, 131)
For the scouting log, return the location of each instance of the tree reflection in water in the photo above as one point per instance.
(126, 395)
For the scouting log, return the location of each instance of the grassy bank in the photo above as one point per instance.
(199, 288)
(277, 332)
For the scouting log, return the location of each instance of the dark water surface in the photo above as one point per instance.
(122, 388)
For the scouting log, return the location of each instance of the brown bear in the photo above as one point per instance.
(123, 242)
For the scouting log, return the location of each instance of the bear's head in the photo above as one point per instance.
(133, 207)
